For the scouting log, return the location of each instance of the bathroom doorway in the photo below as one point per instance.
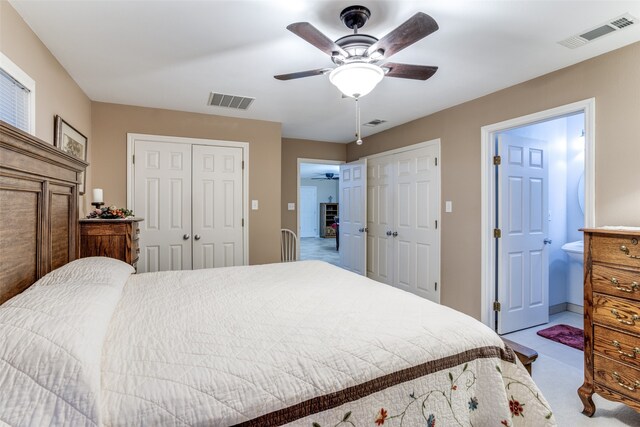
(319, 207)
(537, 194)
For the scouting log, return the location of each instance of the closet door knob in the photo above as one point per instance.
(186, 237)
(395, 234)
(389, 233)
(197, 237)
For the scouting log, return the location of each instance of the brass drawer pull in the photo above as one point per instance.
(616, 376)
(630, 289)
(636, 350)
(625, 249)
(619, 318)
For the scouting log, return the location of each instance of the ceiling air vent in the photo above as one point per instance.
(374, 122)
(229, 101)
(613, 25)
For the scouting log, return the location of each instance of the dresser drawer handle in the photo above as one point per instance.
(619, 318)
(625, 249)
(636, 350)
(630, 289)
(633, 387)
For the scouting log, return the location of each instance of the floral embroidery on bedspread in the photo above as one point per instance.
(521, 403)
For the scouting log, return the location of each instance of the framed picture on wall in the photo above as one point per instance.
(69, 140)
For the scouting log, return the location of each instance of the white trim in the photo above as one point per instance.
(316, 161)
(23, 78)
(133, 137)
(487, 250)
(417, 146)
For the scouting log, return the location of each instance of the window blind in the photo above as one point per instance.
(14, 102)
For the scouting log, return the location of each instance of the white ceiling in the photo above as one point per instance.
(316, 170)
(171, 54)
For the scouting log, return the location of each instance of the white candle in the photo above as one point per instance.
(97, 195)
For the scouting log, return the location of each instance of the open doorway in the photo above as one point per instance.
(537, 187)
(319, 210)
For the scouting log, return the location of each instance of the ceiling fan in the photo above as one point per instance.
(361, 59)
(329, 175)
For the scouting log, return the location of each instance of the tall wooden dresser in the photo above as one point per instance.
(113, 238)
(611, 317)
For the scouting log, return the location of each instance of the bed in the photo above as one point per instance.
(303, 343)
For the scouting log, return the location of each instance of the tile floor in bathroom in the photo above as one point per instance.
(558, 372)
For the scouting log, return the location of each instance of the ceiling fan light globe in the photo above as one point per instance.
(356, 79)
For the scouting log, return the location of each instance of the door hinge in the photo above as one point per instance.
(496, 306)
(497, 233)
(436, 286)
(497, 160)
(436, 224)
(133, 159)
(243, 165)
(243, 222)
(436, 161)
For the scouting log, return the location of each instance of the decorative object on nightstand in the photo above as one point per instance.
(611, 316)
(113, 238)
(98, 198)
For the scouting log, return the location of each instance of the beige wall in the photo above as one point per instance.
(292, 150)
(56, 92)
(612, 79)
(111, 123)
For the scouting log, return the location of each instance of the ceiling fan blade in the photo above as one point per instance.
(409, 71)
(312, 35)
(415, 28)
(301, 74)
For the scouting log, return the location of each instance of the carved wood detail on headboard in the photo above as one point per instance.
(38, 209)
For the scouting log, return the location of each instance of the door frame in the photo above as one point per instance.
(133, 137)
(317, 216)
(304, 160)
(488, 183)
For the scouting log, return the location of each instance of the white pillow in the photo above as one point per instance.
(52, 336)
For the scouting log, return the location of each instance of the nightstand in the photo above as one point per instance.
(114, 238)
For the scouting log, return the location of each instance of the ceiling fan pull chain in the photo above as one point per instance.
(358, 135)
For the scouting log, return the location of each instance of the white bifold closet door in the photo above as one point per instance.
(403, 242)
(191, 199)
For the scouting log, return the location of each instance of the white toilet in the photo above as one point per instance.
(575, 292)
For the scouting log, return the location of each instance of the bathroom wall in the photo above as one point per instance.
(575, 169)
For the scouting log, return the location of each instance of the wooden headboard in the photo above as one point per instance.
(38, 209)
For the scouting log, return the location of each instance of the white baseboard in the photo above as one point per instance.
(575, 308)
(558, 308)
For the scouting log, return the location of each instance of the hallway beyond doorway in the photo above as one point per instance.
(319, 249)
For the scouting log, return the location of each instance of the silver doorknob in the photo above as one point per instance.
(186, 237)
(389, 233)
(395, 234)
(547, 241)
(197, 237)
(361, 230)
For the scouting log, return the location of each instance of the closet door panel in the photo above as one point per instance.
(380, 220)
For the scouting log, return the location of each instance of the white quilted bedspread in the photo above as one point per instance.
(227, 346)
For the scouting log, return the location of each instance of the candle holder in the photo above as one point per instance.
(97, 204)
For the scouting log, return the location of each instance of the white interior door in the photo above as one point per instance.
(353, 216)
(417, 211)
(380, 219)
(217, 198)
(162, 196)
(523, 267)
(309, 221)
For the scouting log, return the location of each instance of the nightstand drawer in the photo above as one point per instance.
(116, 238)
(617, 376)
(615, 281)
(617, 345)
(617, 313)
(616, 250)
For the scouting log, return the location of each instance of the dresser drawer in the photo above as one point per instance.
(617, 282)
(616, 250)
(617, 345)
(617, 376)
(617, 313)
